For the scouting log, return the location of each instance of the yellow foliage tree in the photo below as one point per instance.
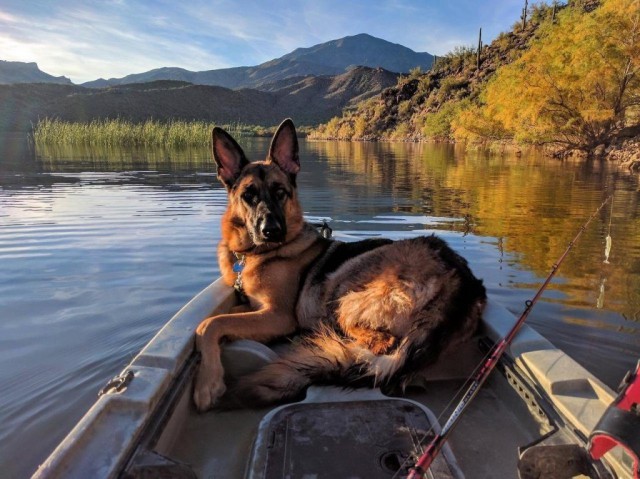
(575, 84)
(345, 132)
(360, 127)
(476, 125)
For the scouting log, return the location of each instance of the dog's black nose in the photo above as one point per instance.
(271, 229)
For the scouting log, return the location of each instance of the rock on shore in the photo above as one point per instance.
(627, 152)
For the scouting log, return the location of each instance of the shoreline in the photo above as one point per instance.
(623, 150)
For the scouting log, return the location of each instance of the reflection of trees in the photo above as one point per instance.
(536, 204)
(58, 158)
(390, 169)
(17, 155)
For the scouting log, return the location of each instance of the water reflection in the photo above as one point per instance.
(74, 158)
(17, 155)
(533, 205)
(98, 247)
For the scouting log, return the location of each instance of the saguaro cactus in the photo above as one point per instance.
(524, 13)
(479, 48)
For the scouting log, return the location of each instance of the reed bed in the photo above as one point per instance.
(121, 132)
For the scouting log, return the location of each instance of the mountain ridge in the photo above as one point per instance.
(311, 84)
(310, 100)
(27, 72)
(328, 58)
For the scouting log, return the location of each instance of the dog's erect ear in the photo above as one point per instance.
(228, 156)
(284, 148)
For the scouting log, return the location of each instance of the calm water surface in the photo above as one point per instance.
(98, 249)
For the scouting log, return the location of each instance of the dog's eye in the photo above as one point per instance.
(249, 195)
(281, 194)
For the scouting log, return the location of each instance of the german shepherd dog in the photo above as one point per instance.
(372, 311)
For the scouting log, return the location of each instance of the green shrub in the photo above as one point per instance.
(438, 124)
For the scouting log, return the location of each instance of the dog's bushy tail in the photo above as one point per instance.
(321, 358)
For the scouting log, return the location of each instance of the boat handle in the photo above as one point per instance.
(118, 383)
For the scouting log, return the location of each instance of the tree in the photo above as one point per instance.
(576, 83)
(360, 127)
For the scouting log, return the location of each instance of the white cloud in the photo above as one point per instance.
(84, 45)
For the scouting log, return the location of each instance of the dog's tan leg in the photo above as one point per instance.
(260, 325)
(241, 308)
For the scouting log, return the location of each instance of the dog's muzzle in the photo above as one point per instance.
(272, 230)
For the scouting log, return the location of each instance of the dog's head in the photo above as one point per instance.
(263, 207)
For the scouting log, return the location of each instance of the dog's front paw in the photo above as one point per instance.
(208, 389)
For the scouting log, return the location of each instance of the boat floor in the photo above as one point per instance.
(485, 443)
(486, 440)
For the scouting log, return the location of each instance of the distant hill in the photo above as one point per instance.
(308, 100)
(310, 85)
(23, 103)
(422, 105)
(360, 50)
(330, 58)
(489, 97)
(21, 72)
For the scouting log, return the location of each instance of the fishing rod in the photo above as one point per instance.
(433, 448)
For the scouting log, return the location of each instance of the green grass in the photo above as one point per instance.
(125, 133)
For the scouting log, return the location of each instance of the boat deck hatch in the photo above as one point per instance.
(350, 439)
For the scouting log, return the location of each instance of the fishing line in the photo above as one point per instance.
(448, 407)
(482, 372)
(608, 239)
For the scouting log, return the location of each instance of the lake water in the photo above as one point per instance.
(99, 248)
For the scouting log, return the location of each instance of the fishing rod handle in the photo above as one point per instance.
(424, 463)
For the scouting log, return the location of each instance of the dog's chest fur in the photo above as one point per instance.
(268, 278)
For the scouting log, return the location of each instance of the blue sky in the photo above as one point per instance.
(85, 39)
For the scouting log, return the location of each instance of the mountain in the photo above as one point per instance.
(309, 84)
(360, 50)
(449, 101)
(21, 72)
(330, 58)
(423, 104)
(309, 100)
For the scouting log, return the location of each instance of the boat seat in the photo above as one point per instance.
(245, 356)
(339, 433)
